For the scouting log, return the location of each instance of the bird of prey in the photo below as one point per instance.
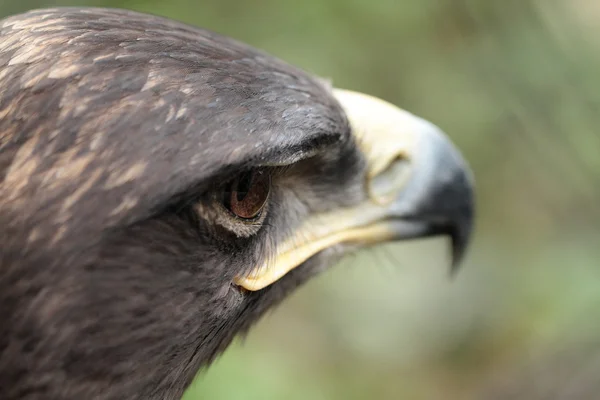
(162, 186)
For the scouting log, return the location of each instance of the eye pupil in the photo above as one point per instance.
(244, 184)
(246, 195)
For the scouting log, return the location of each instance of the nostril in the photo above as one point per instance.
(383, 188)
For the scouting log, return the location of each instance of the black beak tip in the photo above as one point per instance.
(460, 234)
(458, 252)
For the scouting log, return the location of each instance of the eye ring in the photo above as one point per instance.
(246, 195)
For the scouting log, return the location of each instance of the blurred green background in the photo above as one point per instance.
(516, 83)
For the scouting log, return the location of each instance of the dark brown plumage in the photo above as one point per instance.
(119, 132)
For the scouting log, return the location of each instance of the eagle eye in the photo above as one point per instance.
(246, 195)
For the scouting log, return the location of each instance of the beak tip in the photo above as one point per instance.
(455, 264)
(460, 239)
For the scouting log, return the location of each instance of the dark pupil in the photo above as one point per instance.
(244, 185)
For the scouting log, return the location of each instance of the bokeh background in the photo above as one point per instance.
(516, 84)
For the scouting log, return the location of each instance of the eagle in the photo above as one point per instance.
(163, 186)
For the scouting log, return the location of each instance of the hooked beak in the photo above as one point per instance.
(417, 185)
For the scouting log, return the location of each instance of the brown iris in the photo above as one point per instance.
(246, 195)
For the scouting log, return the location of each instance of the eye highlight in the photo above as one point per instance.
(246, 195)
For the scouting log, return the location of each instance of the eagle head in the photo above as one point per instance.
(162, 186)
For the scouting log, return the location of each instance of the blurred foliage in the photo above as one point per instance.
(515, 83)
